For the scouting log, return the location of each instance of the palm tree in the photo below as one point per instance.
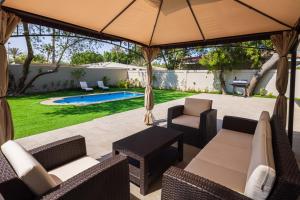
(48, 49)
(14, 52)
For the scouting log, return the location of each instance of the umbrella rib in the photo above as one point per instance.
(154, 27)
(262, 13)
(195, 18)
(120, 13)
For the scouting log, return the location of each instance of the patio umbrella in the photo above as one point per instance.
(8, 22)
(164, 23)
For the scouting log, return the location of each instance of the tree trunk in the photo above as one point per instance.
(165, 60)
(222, 81)
(57, 66)
(29, 58)
(48, 56)
(53, 47)
(267, 66)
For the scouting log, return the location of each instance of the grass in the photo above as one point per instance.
(30, 117)
(266, 96)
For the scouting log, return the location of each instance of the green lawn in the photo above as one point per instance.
(30, 117)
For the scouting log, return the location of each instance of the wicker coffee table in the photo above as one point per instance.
(150, 154)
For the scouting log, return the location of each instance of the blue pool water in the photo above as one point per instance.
(98, 98)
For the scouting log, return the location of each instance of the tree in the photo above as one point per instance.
(237, 56)
(86, 57)
(221, 59)
(120, 56)
(20, 58)
(48, 50)
(65, 45)
(173, 59)
(39, 59)
(26, 65)
(263, 59)
(14, 52)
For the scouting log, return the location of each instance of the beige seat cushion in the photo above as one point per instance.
(187, 120)
(234, 138)
(195, 107)
(71, 169)
(261, 173)
(231, 157)
(226, 151)
(217, 173)
(225, 159)
(28, 169)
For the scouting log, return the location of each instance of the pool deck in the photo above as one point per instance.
(102, 132)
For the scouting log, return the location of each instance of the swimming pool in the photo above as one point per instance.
(97, 98)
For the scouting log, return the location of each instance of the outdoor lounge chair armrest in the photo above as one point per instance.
(178, 184)
(108, 180)
(239, 124)
(60, 152)
(208, 124)
(174, 112)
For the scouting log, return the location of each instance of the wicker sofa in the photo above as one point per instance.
(107, 180)
(202, 182)
(196, 119)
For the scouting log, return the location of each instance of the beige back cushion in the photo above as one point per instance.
(261, 172)
(194, 106)
(28, 169)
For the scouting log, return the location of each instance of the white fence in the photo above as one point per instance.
(200, 80)
(63, 79)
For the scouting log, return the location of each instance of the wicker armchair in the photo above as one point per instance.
(205, 129)
(108, 180)
(179, 184)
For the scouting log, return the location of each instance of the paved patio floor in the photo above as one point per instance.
(100, 133)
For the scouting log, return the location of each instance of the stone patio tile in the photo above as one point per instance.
(102, 132)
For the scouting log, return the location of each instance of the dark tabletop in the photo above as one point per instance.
(148, 141)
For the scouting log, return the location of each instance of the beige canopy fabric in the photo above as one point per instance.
(158, 23)
(149, 55)
(8, 22)
(283, 43)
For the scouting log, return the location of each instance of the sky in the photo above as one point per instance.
(19, 42)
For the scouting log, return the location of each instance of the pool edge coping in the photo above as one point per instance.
(50, 101)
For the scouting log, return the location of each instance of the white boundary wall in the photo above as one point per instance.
(63, 78)
(164, 79)
(204, 80)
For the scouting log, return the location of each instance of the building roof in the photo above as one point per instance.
(113, 65)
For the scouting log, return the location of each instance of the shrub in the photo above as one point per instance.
(263, 92)
(65, 84)
(105, 80)
(132, 83)
(58, 84)
(271, 95)
(123, 84)
(78, 73)
(72, 84)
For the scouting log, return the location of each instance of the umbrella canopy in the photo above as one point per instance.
(163, 23)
